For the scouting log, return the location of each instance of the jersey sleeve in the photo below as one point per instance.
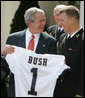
(61, 68)
(12, 61)
(57, 64)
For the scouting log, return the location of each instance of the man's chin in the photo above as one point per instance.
(41, 31)
(65, 31)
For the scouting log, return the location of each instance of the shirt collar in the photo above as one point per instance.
(74, 33)
(30, 34)
(60, 28)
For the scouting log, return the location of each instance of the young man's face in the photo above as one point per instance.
(39, 23)
(65, 22)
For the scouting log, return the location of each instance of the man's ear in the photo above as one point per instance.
(54, 17)
(71, 20)
(29, 22)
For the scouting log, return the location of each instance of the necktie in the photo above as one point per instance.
(59, 31)
(31, 43)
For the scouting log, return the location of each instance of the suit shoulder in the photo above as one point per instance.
(16, 34)
(83, 37)
(63, 35)
(82, 40)
(48, 37)
(51, 28)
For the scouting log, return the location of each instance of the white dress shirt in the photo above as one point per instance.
(60, 28)
(29, 37)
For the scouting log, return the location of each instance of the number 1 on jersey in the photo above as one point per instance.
(32, 91)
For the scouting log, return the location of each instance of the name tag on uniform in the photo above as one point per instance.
(70, 49)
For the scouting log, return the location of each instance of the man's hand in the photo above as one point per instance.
(7, 49)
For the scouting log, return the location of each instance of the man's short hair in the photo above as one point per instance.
(30, 14)
(71, 11)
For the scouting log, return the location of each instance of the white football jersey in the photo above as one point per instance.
(35, 75)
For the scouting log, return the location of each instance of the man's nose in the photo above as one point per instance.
(43, 23)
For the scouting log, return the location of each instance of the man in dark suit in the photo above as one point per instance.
(71, 84)
(3, 80)
(43, 43)
(56, 30)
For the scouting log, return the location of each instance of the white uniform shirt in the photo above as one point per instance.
(35, 75)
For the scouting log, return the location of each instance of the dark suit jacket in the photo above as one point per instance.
(71, 83)
(3, 80)
(46, 44)
(54, 31)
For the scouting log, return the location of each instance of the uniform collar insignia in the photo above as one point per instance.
(77, 36)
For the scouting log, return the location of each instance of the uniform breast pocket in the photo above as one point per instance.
(74, 54)
(73, 51)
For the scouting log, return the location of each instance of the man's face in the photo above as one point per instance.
(56, 16)
(39, 23)
(65, 22)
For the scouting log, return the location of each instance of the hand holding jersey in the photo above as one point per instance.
(7, 49)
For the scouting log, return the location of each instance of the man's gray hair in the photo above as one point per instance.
(59, 7)
(30, 14)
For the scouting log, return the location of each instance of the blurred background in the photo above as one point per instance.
(12, 14)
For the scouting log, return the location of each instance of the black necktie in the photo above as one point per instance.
(59, 31)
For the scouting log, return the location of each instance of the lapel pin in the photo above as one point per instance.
(43, 45)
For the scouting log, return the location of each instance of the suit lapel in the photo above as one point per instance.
(56, 30)
(42, 45)
(63, 43)
(22, 42)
